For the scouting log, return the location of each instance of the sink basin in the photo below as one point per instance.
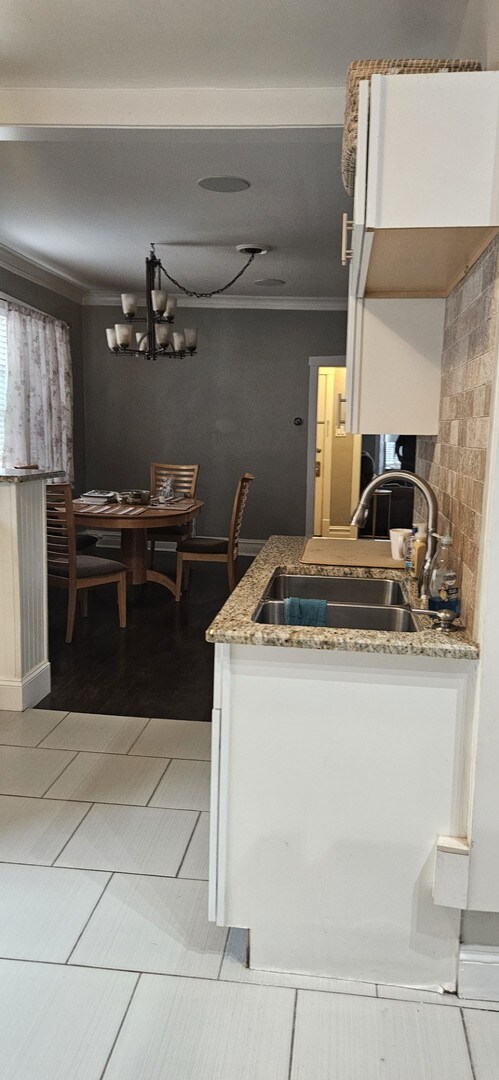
(346, 616)
(344, 590)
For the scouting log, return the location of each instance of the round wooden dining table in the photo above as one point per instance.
(134, 521)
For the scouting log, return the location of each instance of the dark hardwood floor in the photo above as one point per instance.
(159, 666)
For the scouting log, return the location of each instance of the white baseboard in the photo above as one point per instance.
(111, 539)
(19, 694)
(479, 972)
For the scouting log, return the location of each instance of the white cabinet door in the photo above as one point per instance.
(433, 151)
(395, 366)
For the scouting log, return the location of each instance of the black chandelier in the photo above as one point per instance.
(158, 339)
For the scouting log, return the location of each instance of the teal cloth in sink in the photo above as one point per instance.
(305, 612)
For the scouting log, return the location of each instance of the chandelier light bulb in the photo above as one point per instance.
(179, 341)
(163, 334)
(171, 306)
(191, 339)
(129, 304)
(142, 342)
(159, 300)
(123, 334)
(111, 338)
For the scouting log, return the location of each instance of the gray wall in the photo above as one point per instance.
(230, 408)
(71, 312)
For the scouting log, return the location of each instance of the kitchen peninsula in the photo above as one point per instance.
(341, 760)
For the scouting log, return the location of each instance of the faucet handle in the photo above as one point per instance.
(444, 619)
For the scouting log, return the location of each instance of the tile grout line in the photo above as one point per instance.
(460, 1003)
(80, 935)
(188, 843)
(222, 958)
(52, 782)
(293, 1029)
(118, 1033)
(47, 733)
(85, 750)
(141, 732)
(224, 954)
(468, 1046)
(75, 830)
(158, 757)
(196, 978)
(102, 802)
(99, 870)
(163, 774)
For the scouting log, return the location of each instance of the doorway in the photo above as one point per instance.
(334, 455)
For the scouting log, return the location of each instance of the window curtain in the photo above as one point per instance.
(39, 399)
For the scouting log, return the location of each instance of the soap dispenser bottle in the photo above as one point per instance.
(419, 546)
(444, 588)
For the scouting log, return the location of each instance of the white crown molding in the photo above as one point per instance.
(271, 303)
(173, 107)
(39, 274)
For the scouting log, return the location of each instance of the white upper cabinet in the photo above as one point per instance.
(426, 204)
(428, 193)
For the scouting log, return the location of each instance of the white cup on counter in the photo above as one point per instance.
(398, 542)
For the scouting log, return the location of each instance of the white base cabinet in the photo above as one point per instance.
(333, 776)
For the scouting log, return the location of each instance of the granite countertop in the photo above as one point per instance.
(234, 623)
(21, 476)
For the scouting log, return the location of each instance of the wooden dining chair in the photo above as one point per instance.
(185, 478)
(67, 569)
(84, 539)
(203, 549)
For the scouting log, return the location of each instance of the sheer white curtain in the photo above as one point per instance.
(39, 400)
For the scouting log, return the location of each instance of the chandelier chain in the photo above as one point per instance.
(216, 292)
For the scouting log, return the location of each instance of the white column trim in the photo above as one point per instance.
(19, 694)
(484, 870)
(478, 974)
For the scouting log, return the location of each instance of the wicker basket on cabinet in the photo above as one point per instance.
(363, 69)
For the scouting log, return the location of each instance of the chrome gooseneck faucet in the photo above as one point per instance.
(360, 514)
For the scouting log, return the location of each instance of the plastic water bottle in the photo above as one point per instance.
(444, 588)
(409, 546)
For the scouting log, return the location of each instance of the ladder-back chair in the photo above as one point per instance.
(185, 478)
(67, 569)
(204, 549)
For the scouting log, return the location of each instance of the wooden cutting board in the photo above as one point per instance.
(325, 552)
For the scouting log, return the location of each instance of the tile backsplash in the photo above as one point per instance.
(454, 461)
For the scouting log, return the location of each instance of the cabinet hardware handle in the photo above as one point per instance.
(346, 252)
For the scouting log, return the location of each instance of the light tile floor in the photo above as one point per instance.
(109, 968)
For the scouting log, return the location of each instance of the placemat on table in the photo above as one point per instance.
(179, 506)
(322, 551)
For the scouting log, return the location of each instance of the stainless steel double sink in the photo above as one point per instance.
(352, 603)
